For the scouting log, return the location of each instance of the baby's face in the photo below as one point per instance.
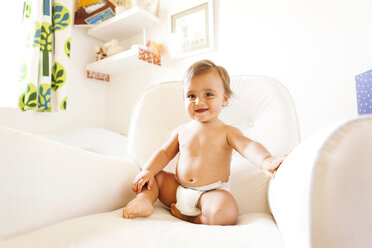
(205, 97)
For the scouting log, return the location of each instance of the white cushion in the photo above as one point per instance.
(43, 182)
(342, 194)
(322, 192)
(156, 114)
(160, 230)
(96, 140)
(261, 107)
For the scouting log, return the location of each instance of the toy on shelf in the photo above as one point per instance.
(110, 48)
(100, 54)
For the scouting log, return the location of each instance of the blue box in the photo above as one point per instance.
(363, 83)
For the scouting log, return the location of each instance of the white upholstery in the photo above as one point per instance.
(43, 182)
(161, 230)
(322, 192)
(96, 140)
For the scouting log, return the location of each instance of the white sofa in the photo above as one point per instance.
(57, 195)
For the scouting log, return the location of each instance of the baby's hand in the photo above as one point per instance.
(271, 164)
(143, 178)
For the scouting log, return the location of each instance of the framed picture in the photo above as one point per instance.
(192, 31)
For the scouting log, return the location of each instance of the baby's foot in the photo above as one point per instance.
(138, 207)
(177, 213)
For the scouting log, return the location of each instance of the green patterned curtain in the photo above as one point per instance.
(45, 60)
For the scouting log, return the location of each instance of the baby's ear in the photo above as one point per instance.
(225, 100)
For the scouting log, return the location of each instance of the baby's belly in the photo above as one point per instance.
(201, 174)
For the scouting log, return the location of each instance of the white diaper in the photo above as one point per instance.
(188, 197)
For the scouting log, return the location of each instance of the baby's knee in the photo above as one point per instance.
(222, 216)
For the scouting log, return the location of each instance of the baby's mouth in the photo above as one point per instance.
(201, 110)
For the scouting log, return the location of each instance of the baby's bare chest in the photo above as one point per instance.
(203, 142)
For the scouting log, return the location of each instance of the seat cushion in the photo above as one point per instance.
(160, 230)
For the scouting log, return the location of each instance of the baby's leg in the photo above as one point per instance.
(165, 187)
(218, 207)
(141, 206)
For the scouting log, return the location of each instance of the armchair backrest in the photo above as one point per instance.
(261, 108)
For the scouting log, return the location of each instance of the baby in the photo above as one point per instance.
(198, 192)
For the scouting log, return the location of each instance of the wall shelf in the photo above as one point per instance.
(123, 25)
(118, 62)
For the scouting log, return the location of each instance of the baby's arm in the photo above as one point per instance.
(254, 151)
(156, 163)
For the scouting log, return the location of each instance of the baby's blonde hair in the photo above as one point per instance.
(204, 66)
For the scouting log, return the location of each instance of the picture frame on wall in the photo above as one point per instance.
(192, 31)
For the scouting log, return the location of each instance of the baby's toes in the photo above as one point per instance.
(127, 213)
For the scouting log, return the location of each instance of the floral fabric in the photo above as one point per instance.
(44, 68)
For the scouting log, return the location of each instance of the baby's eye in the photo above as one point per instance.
(191, 96)
(208, 94)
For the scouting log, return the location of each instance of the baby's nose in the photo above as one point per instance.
(198, 101)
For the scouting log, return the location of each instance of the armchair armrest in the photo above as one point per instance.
(321, 196)
(43, 182)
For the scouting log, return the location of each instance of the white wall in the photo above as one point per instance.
(315, 48)
(86, 100)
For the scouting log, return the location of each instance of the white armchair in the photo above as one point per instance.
(55, 195)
